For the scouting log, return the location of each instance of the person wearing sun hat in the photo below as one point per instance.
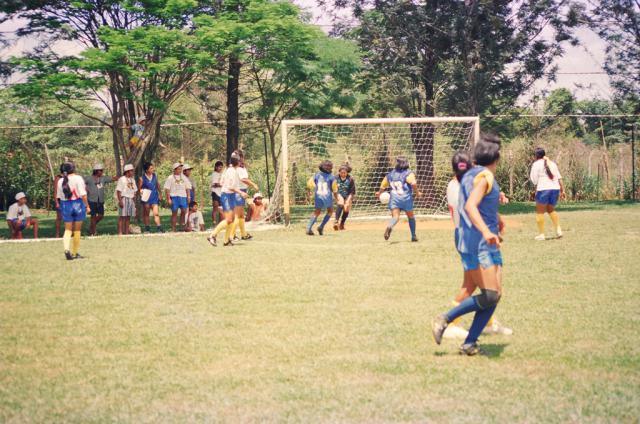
(177, 194)
(191, 186)
(95, 194)
(19, 218)
(126, 191)
(257, 208)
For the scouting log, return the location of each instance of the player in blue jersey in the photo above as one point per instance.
(325, 189)
(478, 243)
(403, 185)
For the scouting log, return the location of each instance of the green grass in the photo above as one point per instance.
(293, 328)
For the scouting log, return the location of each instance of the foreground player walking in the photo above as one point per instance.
(72, 196)
(478, 244)
(230, 187)
(549, 188)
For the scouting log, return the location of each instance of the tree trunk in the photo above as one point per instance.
(233, 108)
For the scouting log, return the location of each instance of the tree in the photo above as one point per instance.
(618, 23)
(138, 57)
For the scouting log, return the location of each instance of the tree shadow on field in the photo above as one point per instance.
(492, 350)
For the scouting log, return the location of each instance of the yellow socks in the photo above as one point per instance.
(457, 320)
(221, 225)
(490, 322)
(555, 219)
(540, 222)
(234, 226)
(76, 242)
(228, 233)
(240, 222)
(66, 240)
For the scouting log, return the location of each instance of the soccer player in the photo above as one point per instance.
(461, 163)
(195, 220)
(72, 196)
(230, 187)
(176, 190)
(245, 182)
(149, 182)
(126, 191)
(478, 244)
(19, 218)
(403, 184)
(346, 192)
(95, 194)
(545, 175)
(216, 192)
(325, 190)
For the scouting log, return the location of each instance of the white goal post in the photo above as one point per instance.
(370, 146)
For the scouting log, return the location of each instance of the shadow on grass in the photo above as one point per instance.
(514, 208)
(491, 350)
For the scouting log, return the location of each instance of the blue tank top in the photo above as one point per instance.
(324, 185)
(470, 240)
(400, 188)
(150, 184)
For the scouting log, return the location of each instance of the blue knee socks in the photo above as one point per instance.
(338, 212)
(466, 306)
(312, 222)
(480, 320)
(326, 219)
(412, 226)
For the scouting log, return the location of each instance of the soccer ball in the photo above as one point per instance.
(385, 197)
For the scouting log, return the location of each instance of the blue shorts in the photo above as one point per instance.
(484, 258)
(405, 205)
(23, 223)
(323, 202)
(241, 201)
(228, 201)
(73, 210)
(178, 203)
(547, 197)
(154, 199)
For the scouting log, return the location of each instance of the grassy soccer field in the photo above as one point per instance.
(336, 328)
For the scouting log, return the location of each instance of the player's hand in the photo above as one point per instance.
(503, 198)
(418, 194)
(88, 209)
(121, 204)
(169, 201)
(501, 226)
(244, 195)
(491, 239)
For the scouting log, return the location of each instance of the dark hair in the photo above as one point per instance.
(402, 163)
(62, 168)
(95, 171)
(326, 166)
(217, 164)
(541, 154)
(345, 167)
(192, 204)
(486, 152)
(461, 163)
(67, 168)
(234, 160)
(146, 166)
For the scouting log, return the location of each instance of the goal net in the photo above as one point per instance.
(370, 147)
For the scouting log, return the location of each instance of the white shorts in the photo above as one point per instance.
(129, 207)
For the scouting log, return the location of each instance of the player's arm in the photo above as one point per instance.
(119, 196)
(334, 190)
(311, 184)
(55, 191)
(248, 182)
(383, 186)
(481, 188)
(411, 180)
(533, 175)
(159, 190)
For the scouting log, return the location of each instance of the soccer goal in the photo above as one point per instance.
(370, 147)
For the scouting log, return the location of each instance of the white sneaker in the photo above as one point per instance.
(455, 332)
(559, 233)
(540, 237)
(497, 328)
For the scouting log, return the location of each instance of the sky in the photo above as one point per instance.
(585, 58)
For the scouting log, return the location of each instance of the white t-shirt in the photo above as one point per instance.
(17, 212)
(453, 196)
(127, 187)
(540, 178)
(77, 186)
(215, 179)
(243, 174)
(193, 220)
(177, 185)
(230, 180)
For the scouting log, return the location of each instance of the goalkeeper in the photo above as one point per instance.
(346, 192)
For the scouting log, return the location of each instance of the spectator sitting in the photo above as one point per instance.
(257, 208)
(195, 220)
(19, 218)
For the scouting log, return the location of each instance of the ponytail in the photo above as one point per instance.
(541, 154)
(67, 168)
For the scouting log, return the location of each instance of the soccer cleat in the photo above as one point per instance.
(455, 332)
(497, 328)
(247, 237)
(438, 326)
(320, 231)
(212, 240)
(336, 227)
(235, 238)
(471, 349)
(342, 225)
(78, 256)
(310, 233)
(159, 229)
(559, 233)
(147, 229)
(228, 243)
(414, 239)
(540, 237)
(68, 255)
(387, 233)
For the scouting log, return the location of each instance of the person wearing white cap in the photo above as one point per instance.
(95, 194)
(257, 208)
(19, 218)
(72, 196)
(177, 194)
(191, 186)
(245, 182)
(126, 191)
